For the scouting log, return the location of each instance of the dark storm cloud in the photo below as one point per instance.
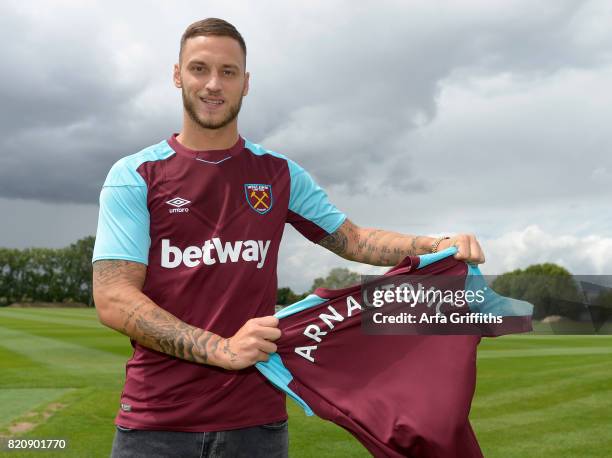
(333, 86)
(66, 109)
(368, 78)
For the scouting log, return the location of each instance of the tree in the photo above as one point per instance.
(602, 311)
(549, 287)
(285, 296)
(78, 269)
(12, 262)
(47, 275)
(339, 277)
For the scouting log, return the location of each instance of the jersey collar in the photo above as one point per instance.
(209, 156)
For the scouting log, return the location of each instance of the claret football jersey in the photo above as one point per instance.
(208, 225)
(398, 394)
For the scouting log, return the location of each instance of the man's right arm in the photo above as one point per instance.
(121, 305)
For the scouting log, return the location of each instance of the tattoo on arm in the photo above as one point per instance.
(344, 241)
(109, 272)
(135, 315)
(226, 349)
(370, 246)
(336, 242)
(171, 336)
(130, 317)
(413, 246)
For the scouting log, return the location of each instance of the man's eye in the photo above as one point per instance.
(229, 72)
(198, 68)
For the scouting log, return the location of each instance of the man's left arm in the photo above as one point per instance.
(386, 248)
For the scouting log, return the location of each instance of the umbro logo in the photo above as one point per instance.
(178, 203)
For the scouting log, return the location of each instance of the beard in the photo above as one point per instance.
(189, 105)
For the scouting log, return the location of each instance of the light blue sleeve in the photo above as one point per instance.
(123, 221)
(276, 372)
(308, 203)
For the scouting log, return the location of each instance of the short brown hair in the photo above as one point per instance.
(212, 27)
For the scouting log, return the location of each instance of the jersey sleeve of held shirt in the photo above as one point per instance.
(123, 221)
(310, 210)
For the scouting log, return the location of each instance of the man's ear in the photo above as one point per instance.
(245, 91)
(176, 76)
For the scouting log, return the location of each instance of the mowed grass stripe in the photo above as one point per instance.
(19, 371)
(83, 314)
(48, 318)
(86, 422)
(585, 441)
(549, 366)
(94, 336)
(560, 413)
(547, 337)
(591, 402)
(12, 360)
(544, 436)
(539, 352)
(524, 404)
(16, 401)
(545, 384)
(57, 353)
(518, 372)
(40, 376)
(526, 341)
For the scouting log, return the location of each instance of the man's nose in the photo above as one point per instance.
(214, 82)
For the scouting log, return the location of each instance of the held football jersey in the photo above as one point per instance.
(399, 395)
(208, 225)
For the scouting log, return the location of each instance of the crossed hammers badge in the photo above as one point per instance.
(259, 197)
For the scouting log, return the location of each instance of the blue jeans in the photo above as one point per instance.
(268, 441)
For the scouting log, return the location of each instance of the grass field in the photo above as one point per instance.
(61, 374)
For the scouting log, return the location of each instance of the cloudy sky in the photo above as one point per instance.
(416, 116)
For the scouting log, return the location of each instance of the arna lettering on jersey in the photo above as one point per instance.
(399, 395)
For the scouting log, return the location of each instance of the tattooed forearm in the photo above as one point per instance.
(121, 305)
(129, 316)
(215, 343)
(336, 242)
(226, 350)
(111, 271)
(373, 246)
(413, 245)
(163, 332)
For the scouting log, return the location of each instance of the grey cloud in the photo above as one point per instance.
(67, 112)
(369, 80)
(335, 87)
(56, 73)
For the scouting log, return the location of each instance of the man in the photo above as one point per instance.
(185, 265)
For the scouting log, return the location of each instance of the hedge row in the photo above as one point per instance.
(46, 274)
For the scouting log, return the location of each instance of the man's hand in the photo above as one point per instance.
(468, 248)
(253, 342)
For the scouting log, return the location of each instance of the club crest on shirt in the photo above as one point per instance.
(259, 197)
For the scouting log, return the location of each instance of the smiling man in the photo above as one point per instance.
(185, 265)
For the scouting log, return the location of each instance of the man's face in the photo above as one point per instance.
(212, 78)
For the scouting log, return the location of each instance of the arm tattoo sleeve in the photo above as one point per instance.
(336, 242)
(372, 246)
(135, 315)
